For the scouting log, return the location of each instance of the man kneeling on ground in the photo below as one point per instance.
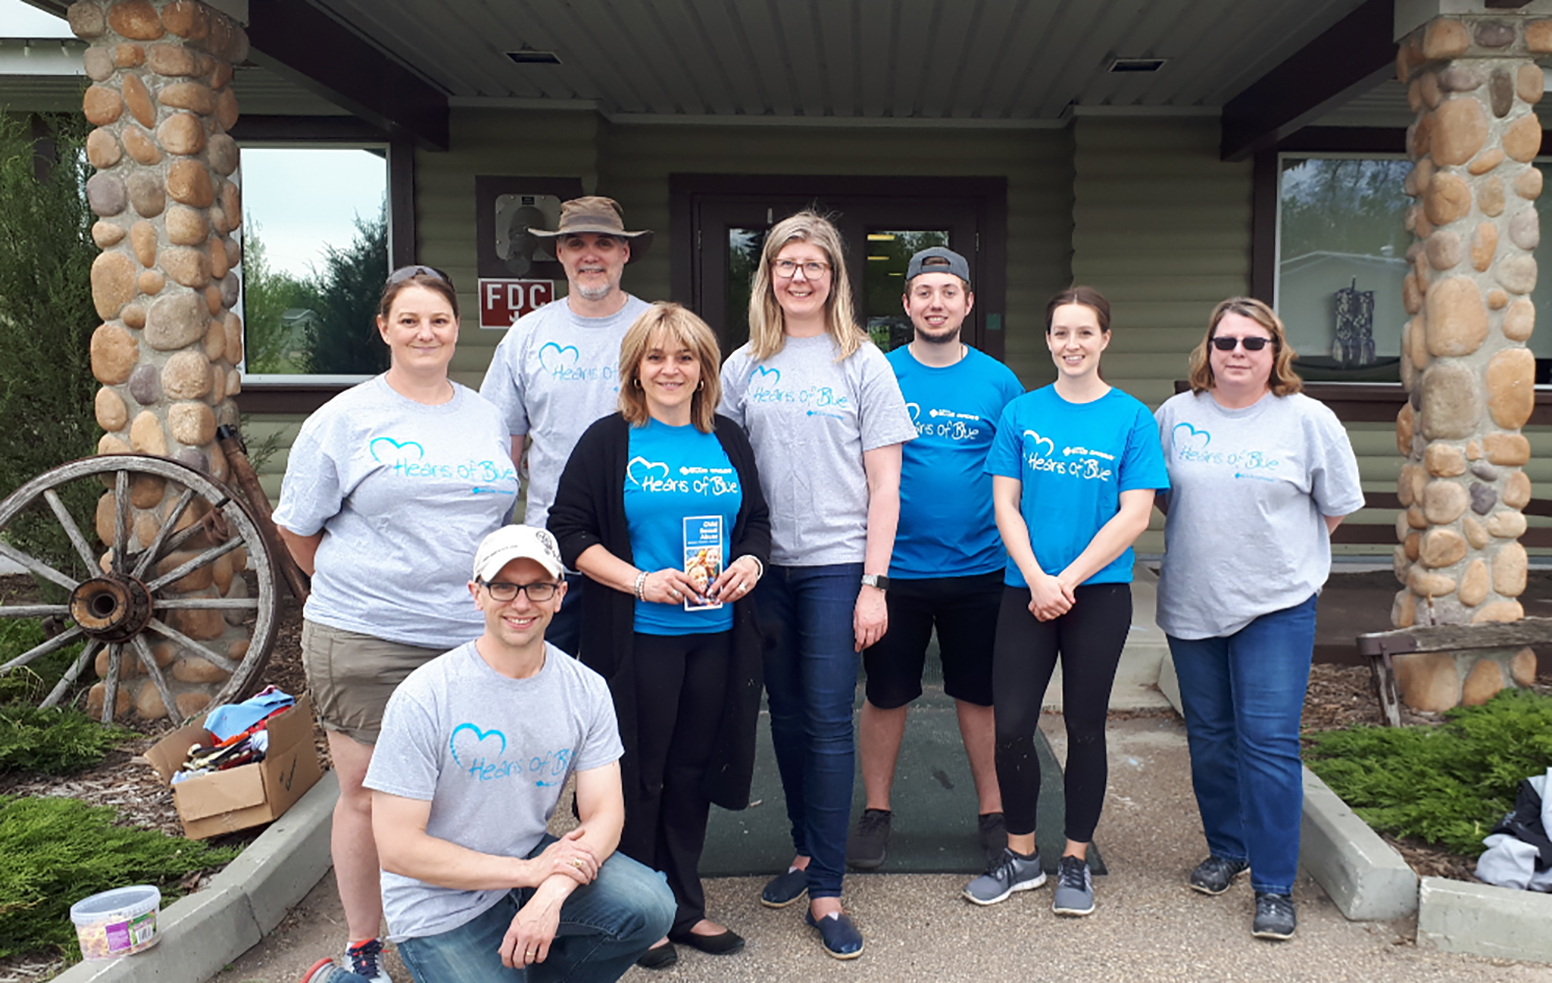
(475, 748)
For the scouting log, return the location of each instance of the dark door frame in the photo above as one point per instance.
(987, 197)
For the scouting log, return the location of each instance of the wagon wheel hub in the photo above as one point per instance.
(111, 608)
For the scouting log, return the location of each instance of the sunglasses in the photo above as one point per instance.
(408, 272)
(1227, 343)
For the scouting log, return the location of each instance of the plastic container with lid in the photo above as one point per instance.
(117, 923)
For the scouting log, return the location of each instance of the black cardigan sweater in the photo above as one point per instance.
(589, 509)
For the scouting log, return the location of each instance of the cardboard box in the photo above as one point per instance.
(247, 795)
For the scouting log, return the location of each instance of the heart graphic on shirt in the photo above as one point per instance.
(1050, 448)
(761, 370)
(476, 746)
(914, 409)
(638, 469)
(1187, 438)
(553, 356)
(395, 451)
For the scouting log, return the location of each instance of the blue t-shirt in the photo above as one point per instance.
(947, 526)
(1075, 460)
(675, 474)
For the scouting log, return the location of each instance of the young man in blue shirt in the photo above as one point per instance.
(946, 572)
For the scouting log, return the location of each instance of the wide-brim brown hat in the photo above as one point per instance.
(600, 215)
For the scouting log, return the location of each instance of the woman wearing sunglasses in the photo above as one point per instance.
(1074, 469)
(1259, 477)
(389, 488)
(661, 503)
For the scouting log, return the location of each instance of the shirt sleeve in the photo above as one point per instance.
(407, 757)
(735, 378)
(601, 744)
(1003, 457)
(311, 493)
(881, 414)
(1334, 482)
(1143, 464)
(503, 384)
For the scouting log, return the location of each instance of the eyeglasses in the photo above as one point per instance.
(1227, 343)
(502, 591)
(408, 272)
(813, 269)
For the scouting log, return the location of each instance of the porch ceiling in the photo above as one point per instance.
(1015, 60)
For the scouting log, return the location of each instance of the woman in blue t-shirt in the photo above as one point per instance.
(1074, 468)
(661, 502)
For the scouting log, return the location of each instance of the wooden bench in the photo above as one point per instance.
(1380, 646)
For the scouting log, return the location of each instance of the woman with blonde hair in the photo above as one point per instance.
(1248, 452)
(826, 420)
(651, 504)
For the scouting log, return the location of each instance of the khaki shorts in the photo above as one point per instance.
(351, 676)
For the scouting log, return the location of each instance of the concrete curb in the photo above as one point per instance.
(201, 933)
(1483, 920)
(1364, 875)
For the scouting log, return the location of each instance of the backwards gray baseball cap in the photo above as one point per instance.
(938, 259)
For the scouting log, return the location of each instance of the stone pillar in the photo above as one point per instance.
(1472, 83)
(164, 285)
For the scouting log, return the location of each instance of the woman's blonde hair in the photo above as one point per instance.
(1283, 381)
(670, 327)
(766, 334)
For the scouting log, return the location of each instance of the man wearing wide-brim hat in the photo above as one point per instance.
(555, 371)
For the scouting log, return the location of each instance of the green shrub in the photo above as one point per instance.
(1447, 785)
(53, 741)
(58, 851)
(30, 683)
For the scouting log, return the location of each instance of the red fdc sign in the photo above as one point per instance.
(504, 301)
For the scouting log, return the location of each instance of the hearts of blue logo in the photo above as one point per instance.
(762, 370)
(550, 352)
(401, 450)
(480, 736)
(1187, 437)
(1050, 448)
(647, 467)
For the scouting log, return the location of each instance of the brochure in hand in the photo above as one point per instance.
(703, 553)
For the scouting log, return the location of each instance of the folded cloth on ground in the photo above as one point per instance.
(228, 721)
(1519, 848)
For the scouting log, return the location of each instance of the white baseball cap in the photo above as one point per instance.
(516, 543)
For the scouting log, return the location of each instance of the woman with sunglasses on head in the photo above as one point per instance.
(389, 488)
(827, 421)
(661, 503)
(1260, 475)
(1074, 467)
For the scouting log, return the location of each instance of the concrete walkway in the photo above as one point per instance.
(1148, 925)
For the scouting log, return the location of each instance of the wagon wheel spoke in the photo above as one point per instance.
(183, 569)
(66, 681)
(37, 566)
(110, 690)
(120, 523)
(204, 652)
(71, 529)
(155, 672)
(207, 604)
(155, 549)
(34, 610)
(52, 645)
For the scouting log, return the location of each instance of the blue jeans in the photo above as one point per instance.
(604, 927)
(811, 682)
(1243, 695)
(565, 631)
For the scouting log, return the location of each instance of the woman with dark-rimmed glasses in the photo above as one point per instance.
(389, 488)
(1260, 475)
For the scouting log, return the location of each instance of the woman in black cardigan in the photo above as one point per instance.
(653, 502)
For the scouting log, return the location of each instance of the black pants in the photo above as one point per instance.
(1089, 639)
(680, 685)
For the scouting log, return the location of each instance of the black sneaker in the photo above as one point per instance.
(1215, 874)
(1274, 916)
(993, 834)
(869, 844)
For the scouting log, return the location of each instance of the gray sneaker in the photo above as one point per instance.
(1008, 873)
(1274, 917)
(1074, 894)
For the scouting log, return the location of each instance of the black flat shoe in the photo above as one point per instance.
(659, 957)
(723, 943)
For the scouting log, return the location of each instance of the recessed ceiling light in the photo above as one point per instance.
(1120, 65)
(527, 56)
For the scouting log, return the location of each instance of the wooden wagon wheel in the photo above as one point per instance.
(119, 601)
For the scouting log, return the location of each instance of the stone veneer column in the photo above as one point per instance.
(1464, 361)
(164, 285)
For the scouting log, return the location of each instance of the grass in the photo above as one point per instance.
(30, 683)
(1446, 785)
(53, 741)
(58, 851)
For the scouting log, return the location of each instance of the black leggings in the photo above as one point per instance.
(1089, 637)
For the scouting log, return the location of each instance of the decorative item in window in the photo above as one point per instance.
(1354, 341)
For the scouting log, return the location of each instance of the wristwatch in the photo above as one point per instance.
(875, 580)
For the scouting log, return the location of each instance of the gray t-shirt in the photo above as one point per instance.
(1248, 489)
(810, 418)
(552, 376)
(491, 754)
(403, 493)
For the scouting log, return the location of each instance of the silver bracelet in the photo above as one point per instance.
(641, 586)
(759, 568)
